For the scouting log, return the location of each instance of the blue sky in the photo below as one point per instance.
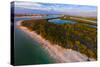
(32, 7)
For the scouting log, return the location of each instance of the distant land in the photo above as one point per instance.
(66, 32)
(66, 9)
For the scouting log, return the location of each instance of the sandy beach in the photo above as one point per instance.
(56, 52)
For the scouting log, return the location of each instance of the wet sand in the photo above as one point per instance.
(58, 53)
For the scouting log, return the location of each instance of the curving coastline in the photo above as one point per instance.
(58, 53)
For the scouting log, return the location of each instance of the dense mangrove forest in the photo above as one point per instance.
(78, 36)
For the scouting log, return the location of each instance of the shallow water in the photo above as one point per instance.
(59, 21)
(27, 50)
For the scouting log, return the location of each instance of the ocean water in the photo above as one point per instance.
(27, 50)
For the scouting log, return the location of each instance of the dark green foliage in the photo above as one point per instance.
(77, 36)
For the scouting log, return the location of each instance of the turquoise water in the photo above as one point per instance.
(59, 21)
(27, 50)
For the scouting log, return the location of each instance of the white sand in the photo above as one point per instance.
(56, 52)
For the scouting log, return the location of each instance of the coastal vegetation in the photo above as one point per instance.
(79, 36)
(85, 20)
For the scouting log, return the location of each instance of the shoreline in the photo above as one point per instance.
(56, 52)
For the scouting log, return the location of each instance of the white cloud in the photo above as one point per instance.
(31, 5)
(19, 3)
(54, 7)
